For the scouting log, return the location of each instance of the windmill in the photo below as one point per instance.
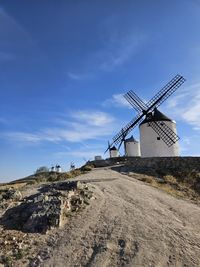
(113, 151)
(149, 110)
(132, 147)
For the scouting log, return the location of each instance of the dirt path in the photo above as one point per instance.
(129, 224)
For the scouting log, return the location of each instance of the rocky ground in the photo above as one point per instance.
(127, 223)
(29, 216)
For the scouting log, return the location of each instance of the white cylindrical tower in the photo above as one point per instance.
(151, 144)
(98, 158)
(131, 147)
(114, 153)
(58, 168)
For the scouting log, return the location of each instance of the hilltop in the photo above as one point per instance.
(104, 216)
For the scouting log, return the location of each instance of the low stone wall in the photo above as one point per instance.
(165, 164)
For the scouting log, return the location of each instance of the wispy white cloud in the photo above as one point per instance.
(116, 48)
(83, 125)
(78, 76)
(184, 144)
(5, 56)
(117, 100)
(74, 76)
(96, 118)
(14, 37)
(84, 152)
(3, 120)
(79, 154)
(119, 48)
(22, 137)
(9, 25)
(188, 144)
(185, 106)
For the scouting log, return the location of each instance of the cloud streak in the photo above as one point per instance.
(5, 56)
(3, 121)
(117, 100)
(78, 76)
(117, 46)
(186, 106)
(83, 154)
(83, 125)
(120, 48)
(96, 118)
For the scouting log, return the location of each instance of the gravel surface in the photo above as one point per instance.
(129, 224)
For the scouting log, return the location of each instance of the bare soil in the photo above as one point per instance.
(129, 224)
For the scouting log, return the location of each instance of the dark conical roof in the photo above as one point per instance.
(131, 139)
(156, 116)
(113, 148)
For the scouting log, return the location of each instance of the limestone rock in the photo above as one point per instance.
(10, 194)
(47, 209)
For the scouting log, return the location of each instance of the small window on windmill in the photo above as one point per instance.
(158, 138)
(161, 123)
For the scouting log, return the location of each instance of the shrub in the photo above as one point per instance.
(64, 176)
(32, 182)
(6, 260)
(42, 169)
(145, 178)
(19, 254)
(170, 179)
(52, 178)
(75, 172)
(41, 179)
(87, 168)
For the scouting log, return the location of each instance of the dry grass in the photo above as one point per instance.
(145, 178)
(169, 189)
(170, 185)
(13, 185)
(45, 177)
(87, 167)
(170, 179)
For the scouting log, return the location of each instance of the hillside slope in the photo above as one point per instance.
(129, 224)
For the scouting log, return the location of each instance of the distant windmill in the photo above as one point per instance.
(161, 126)
(114, 153)
(131, 147)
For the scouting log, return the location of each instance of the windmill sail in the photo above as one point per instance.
(132, 102)
(164, 132)
(138, 100)
(127, 129)
(165, 92)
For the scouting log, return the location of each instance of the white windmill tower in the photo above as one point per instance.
(155, 126)
(151, 143)
(114, 153)
(131, 147)
(58, 168)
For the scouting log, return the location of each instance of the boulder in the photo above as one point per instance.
(47, 209)
(11, 194)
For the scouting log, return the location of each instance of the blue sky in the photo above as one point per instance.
(64, 66)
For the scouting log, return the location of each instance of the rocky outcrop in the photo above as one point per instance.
(47, 209)
(10, 194)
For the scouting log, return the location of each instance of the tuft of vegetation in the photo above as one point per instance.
(170, 179)
(87, 168)
(75, 172)
(50, 177)
(19, 254)
(146, 179)
(181, 184)
(42, 169)
(6, 261)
